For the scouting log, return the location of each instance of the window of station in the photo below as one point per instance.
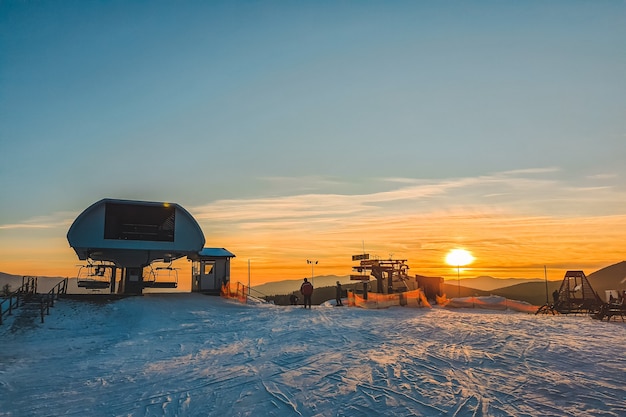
(139, 222)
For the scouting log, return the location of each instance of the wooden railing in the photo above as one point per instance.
(12, 300)
(47, 300)
(28, 292)
(241, 292)
(237, 291)
(257, 294)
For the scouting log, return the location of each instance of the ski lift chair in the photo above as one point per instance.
(93, 277)
(163, 277)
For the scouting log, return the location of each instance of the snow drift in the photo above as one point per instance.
(492, 302)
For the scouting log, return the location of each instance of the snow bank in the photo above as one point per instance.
(492, 302)
(194, 355)
(414, 298)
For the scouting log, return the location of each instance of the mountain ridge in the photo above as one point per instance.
(488, 283)
(612, 277)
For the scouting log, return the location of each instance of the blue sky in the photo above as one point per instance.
(309, 116)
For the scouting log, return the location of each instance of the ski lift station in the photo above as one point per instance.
(131, 238)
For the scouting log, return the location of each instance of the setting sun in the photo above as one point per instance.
(459, 257)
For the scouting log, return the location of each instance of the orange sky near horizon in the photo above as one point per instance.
(504, 246)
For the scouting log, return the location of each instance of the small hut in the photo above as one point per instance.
(210, 270)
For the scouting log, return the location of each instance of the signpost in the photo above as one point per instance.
(364, 263)
(359, 277)
(365, 279)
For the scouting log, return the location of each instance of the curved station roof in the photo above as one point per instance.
(134, 233)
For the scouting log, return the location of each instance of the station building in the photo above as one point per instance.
(126, 237)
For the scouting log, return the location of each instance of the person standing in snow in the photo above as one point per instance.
(307, 290)
(338, 294)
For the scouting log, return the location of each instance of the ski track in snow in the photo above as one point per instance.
(194, 355)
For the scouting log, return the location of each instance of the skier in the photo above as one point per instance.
(307, 290)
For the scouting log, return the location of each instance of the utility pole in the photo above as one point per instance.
(313, 263)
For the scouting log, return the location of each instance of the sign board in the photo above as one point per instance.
(359, 277)
(360, 257)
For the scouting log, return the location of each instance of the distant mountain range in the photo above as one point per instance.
(15, 281)
(486, 283)
(483, 283)
(290, 285)
(532, 290)
(612, 277)
(271, 288)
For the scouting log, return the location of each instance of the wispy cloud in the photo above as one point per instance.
(527, 171)
(24, 226)
(510, 219)
(522, 191)
(312, 181)
(60, 219)
(516, 191)
(605, 176)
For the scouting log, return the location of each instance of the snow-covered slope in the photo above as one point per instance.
(193, 355)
